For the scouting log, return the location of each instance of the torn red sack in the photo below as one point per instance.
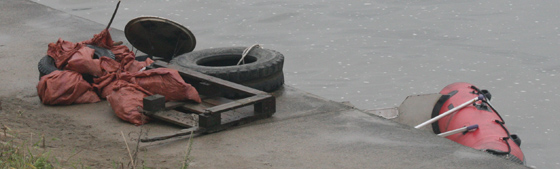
(82, 62)
(108, 65)
(121, 81)
(121, 52)
(129, 64)
(64, 88)
(166, 82)
(104, 85)
(103, 39)
(127, 102)
(62, 51)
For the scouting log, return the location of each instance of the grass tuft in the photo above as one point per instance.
(187, 159)
(20, 156)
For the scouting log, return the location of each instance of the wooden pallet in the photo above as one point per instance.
(215, 113)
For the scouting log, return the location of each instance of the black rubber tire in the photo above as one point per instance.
(267, 84)
(47, 65)
(222, 63)
(100, 51)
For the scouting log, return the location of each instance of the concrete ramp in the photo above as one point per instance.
(414, 110)
(310, 132)
(306, 131)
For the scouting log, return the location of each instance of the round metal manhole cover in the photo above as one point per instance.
(159, 37)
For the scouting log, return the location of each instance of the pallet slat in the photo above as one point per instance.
(208, 115)
(237, 104)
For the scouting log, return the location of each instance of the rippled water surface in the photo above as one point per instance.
(375, 53)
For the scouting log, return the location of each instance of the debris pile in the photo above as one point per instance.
(123, 81)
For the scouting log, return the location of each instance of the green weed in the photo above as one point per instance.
(20, 156)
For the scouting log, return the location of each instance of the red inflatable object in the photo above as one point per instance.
(491, 136)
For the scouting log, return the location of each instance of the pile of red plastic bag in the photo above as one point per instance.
(122, 81)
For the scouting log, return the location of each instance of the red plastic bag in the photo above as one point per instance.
(166, 82)
(104, 84)
(103, 39)
(133, 66)
(127, 102)
(112, 68)
(62, 51)
(121, 52)
(65, 87)
(82, 62)
(120, 81)
(109, 65)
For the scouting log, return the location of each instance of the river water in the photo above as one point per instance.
(374, 53)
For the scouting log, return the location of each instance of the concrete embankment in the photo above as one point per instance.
(306, 131)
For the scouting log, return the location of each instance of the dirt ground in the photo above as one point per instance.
(75, 143)
(69, 142)
(88, 134)
(80, 135)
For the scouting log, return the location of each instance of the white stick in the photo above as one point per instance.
(459, 130)
(449, 112)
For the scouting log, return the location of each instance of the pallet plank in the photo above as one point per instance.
(215, 113)
(236, 104)
(197, 76)
(174, 117)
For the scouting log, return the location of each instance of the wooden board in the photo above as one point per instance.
(215, 113)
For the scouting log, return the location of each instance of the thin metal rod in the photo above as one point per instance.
(184, 132)
(113, 17)
(459, 130)
(246, 52)
(448, 112)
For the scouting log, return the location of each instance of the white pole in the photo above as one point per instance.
(480, 97)
(459, 130)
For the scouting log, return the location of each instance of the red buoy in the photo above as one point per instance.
(491, 136)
